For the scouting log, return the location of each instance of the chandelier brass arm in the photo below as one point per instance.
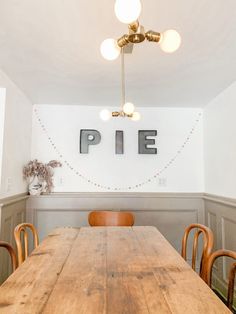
(121, 114)
(153, 36)
(116, 113)
(134, 26)
(123, 41)
(137, 35)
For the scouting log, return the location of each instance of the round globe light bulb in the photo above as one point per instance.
(109, 49)
(136, 116)
(128, 11)
(128, 108)
(170, 41)
(105, 114)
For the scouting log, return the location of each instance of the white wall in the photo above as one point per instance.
(220, 145)
(62, 124)
(2, 119)
(16, 138)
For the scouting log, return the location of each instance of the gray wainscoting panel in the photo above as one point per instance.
(12, 212)
(220, 214)
(169, 212)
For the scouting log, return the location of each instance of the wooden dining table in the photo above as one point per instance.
(106, 270)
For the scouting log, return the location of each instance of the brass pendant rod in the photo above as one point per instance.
(122, 78)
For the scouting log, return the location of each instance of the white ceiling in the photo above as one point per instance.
(50, 48)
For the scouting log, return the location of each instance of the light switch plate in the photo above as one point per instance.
(162, 181)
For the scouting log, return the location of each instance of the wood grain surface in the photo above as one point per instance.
(106, 270)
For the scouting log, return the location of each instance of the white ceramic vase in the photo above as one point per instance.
(35, 186)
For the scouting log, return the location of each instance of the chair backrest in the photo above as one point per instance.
(208, 241)
(22, 228)
(232, 272)
(110, 218)
(11, 253)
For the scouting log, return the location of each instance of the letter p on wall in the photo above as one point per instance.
(87, 138)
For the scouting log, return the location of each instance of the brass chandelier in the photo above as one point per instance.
(128, 12)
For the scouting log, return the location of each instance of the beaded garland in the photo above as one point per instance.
(116, 188)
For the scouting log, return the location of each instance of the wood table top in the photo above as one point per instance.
(106, 270)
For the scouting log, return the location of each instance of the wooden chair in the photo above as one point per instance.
(211, 260)
(11, 253)
(208, 241)
(22, 228)
(110, 218)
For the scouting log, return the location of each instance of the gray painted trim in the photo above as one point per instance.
(205, 196)
(13, 199)
(220, 199)
(121, 209)
(119, 195)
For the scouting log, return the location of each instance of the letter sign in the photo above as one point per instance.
(143, 142)
(87, 138)
(93, 137)
(119, 142)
